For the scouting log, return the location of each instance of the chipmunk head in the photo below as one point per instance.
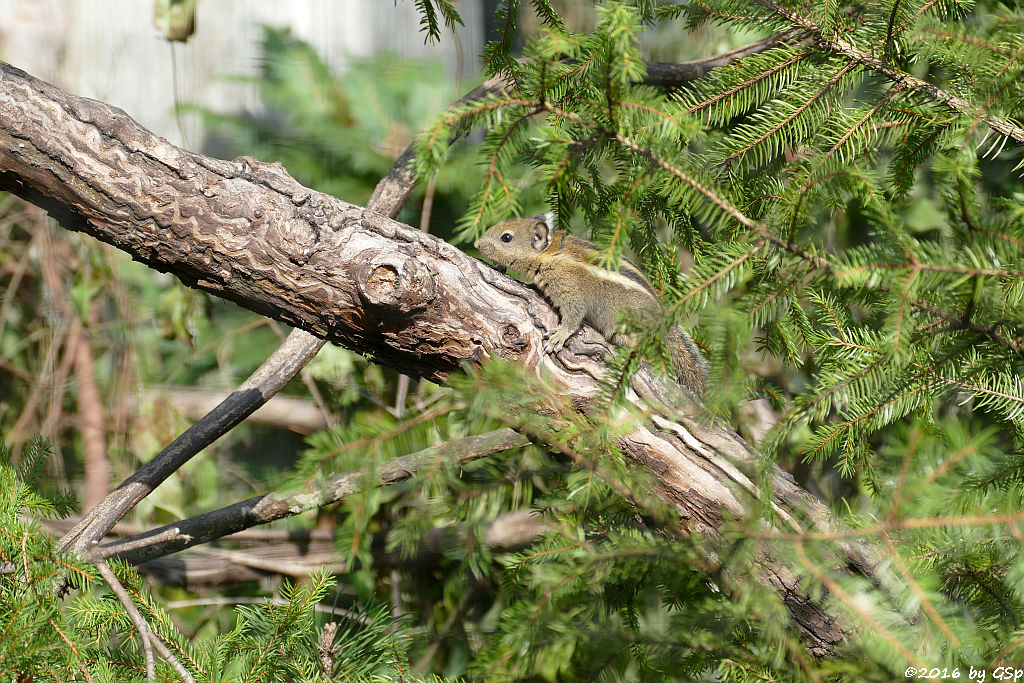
(511, 244)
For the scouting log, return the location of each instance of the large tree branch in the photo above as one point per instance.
(248, 232)
(285, 363)
(300, 347)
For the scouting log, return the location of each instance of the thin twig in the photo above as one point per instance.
(149, 639)
(145, 540)
(133, 613)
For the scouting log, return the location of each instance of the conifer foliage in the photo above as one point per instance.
(849, 197)
(851, 200)
(49, 636)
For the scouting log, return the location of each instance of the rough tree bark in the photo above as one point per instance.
(246, 231)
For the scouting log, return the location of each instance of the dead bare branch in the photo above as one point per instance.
(273, 506)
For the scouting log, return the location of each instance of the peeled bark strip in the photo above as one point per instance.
(248, 232)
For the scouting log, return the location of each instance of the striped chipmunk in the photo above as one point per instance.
(565, 269)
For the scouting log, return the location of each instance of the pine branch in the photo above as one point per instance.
(792, 115)
(902, 524)
(884, 100)
(899, 78)
(711, 196)
(854, 604)
(971, 40)
(726, 94)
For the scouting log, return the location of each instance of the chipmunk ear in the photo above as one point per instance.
(548, 218)
(542, 227)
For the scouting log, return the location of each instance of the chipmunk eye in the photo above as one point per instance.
(506, 237)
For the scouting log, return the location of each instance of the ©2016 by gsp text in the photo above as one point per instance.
(999, 673)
